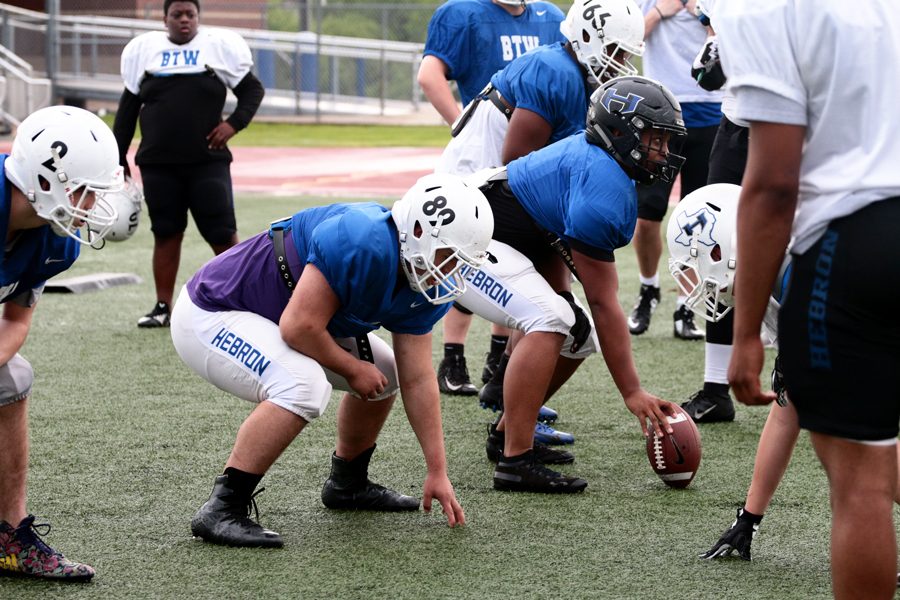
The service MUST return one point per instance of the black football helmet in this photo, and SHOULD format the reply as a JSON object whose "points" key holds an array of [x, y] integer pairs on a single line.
{"points": [[621, 110]]}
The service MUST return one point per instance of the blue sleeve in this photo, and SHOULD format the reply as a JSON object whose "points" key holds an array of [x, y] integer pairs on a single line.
{"points": [[419, 324], [449, 40], [540, 86]]}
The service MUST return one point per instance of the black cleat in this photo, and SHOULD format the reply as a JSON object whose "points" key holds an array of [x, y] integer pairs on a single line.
{"points": [[542, 453], [704, 407], [349, 488], [524, 474], [453, 377], [648, 300], [225, 519], [491, 396], [491, 362], [158, 317], [683, 325]]}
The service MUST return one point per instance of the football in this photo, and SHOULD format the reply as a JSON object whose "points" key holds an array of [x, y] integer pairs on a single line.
{"points": [[675, 457]]}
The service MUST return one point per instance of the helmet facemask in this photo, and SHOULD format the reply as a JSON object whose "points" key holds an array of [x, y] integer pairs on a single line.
{"points": [[604, 36]]}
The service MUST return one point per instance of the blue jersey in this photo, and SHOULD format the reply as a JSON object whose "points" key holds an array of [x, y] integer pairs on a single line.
{"points": [[33, 257], [549, 82], [579, 192], [477, 38], [356, 248]]}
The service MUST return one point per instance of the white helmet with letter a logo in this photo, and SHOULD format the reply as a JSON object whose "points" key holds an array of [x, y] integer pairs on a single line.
{"points": [[64, 159], [445, 227], [702, 237]]}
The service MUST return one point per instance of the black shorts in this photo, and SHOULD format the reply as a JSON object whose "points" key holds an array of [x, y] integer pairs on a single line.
{"points": [[204, 189], [514, 226], [839, 327], [653, 200], [728, 157]]}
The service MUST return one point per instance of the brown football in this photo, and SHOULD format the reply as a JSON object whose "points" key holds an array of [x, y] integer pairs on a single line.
{"points": [[675, 457]]}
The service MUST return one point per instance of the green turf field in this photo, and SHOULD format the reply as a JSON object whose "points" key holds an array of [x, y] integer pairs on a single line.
{"points": [[126, 442]]}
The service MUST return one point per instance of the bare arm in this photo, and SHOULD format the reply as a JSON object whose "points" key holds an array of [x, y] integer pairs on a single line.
{"points": [[421, 399], [601, 285], [765, 216], [528, 131], [432, 79], [664, 8], [14, 326], [303, 326]]}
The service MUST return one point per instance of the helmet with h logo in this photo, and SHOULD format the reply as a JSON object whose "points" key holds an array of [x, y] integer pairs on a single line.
{"points": [[621, 111]]}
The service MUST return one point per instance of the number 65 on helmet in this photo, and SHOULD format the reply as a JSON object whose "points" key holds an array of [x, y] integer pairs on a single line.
{"points": [[64, 159]]}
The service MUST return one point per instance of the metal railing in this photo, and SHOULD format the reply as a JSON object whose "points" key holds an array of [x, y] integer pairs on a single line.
{"points": [[303, 72]]}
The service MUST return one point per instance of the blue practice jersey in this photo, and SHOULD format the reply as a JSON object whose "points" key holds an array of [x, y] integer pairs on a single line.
{"points": [[477, 38], [356, 248], [579, 192], [549, 82], [33, 257]]}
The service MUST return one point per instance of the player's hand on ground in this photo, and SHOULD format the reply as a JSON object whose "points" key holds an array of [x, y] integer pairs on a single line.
{"points": [[737, 538], [219, 136], [650, 409], [438, 487], [743, 372], [367, 381]]}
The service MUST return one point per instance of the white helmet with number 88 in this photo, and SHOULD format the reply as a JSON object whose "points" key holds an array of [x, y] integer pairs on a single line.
{"points": [[64, 159], [445, 227]]}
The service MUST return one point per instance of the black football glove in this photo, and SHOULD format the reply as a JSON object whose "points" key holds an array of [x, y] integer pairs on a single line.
{"points": [[738, 537], [707, 68], [581, 330]]}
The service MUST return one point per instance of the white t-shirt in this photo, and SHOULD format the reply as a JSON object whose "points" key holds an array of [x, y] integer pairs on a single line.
{"points": [[222, 50], [670, 51], [831, 66]]}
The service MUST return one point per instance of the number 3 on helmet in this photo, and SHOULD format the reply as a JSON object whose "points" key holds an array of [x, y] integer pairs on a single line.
{"points": [[62, 159], [441, 212]]}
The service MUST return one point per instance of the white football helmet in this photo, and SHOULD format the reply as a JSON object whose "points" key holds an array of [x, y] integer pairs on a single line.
{"points": [[62, 158], [702, 236], [600, 31], [441, 212], [127, 203]]}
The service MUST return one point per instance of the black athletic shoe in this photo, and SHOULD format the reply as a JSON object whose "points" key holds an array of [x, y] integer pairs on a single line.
{"points": [[349, 488], [684, 326], [709, 408], [225, 519], [491, 396], [453, 377], [525, 474], [542, 453], [491, 362], [158, 317], [647, 301]]}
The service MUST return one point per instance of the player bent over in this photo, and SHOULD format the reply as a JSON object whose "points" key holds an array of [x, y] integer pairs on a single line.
{"points": [[51, 190], [571, 204], [284, 316]]}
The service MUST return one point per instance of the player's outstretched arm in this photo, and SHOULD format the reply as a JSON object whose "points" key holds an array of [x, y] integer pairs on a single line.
{"points": [[421, 399], [601, 282]]}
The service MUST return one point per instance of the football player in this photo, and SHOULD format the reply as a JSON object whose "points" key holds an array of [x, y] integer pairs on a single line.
{"points": [[63, 161], [175, 83], [824, 178], [559, 211], [468, 41], [289, 314]]}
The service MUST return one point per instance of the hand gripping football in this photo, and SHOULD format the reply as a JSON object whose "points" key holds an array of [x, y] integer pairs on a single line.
{"points": [[676, 456]]}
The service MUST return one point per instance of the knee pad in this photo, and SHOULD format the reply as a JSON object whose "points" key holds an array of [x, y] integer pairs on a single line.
{"points": [[582, 340], [16, 379]]}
